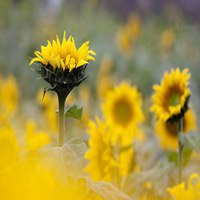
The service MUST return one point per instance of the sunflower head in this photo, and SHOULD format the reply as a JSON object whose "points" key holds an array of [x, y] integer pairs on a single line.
{"points": [[102, 163], [171, 97], [167, 131], [61, 64], [123, 107], [105, 159]]}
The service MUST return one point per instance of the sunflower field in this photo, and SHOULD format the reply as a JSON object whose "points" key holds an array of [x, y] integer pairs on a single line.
{"points": [[99, 100]]}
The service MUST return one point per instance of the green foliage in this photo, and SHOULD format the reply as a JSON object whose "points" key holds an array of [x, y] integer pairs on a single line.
{"points": [[192, 140], [30, 25], [172, 156], [158, 176], [69, 160], [74, 112]]}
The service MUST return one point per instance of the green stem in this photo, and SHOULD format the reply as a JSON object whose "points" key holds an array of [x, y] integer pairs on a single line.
{"points": [[180, 150], [61, 120], [118, 176]]}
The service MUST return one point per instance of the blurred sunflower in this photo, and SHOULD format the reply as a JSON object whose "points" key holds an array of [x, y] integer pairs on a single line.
{"points": [[123, 108], [102, 163], [29, 179], [35, 139], [128, 33], [127, 163], [108, 162], [167, 40], [171, 97], [167, 132], [192, 192], [9, 148], [9, 97]]}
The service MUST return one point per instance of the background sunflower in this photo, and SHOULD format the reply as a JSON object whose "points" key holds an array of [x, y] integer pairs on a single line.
{"points": [[171, 97], [167, 132], [122, 110]]}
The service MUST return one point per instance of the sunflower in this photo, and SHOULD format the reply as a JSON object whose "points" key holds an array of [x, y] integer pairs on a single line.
{"points": [[102, 166], [9, 96], [167, 40], [171, 97], [64, 55], [167, 131], [123, 108], [34, 138], [62, 64], [9, 148], [183, 192], [127, 162], [128, 34], [107, 162]]}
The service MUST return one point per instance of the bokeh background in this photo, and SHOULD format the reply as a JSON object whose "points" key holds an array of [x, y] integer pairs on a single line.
{"points": [[134, 41], [166, 35]]}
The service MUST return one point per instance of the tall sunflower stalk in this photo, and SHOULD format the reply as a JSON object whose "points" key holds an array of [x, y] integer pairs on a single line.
{"points": [[63, 66], [61, 118], [171, 99], [180, 149]]}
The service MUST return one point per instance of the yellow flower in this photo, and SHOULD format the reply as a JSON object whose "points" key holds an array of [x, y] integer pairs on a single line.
{"points": [[9, 147], [108, 162], [124, 41], [192, 192], [172, 95], [128, 33], [102, 166], [126, 160], [30, 179], [9, 96], [134, 25], [167, 132], [62, 65], [167, 39], [35, 139], [123, 108], [64, 54]]}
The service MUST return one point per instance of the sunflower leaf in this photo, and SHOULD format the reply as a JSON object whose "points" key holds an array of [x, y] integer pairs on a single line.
{"points": [[192, 140], [74, 112], [158, 175], [172, 156]]}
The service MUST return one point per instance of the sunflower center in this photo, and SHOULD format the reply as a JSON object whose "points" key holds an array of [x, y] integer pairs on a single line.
{"points": [[172, 128], [174, 99], [122, 112]]}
